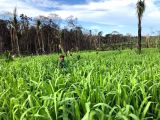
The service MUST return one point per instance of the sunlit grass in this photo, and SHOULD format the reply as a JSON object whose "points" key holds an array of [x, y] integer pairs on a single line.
{"points": [[99, 86]]}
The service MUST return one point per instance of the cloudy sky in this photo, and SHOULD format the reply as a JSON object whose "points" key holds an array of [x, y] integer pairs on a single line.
{"points": [[103, 15]]}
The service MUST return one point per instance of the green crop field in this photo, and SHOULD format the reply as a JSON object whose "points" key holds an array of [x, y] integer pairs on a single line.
{"points": [[114, 85]]}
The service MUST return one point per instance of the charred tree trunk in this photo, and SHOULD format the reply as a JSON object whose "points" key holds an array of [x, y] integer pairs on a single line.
{"points": [[139, 35]]}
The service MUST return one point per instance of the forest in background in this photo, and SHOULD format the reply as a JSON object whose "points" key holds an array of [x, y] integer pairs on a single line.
{"points": [[44, 35]]}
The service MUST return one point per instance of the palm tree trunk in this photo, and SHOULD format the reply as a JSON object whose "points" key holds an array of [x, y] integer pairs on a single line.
{"points": [[35, 43], [17, 44], [42, 41], [12, 43], [139, 34], [39, 45]]}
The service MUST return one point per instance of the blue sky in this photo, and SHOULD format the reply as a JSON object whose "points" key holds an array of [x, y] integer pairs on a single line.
{"points": [[99, 15]]}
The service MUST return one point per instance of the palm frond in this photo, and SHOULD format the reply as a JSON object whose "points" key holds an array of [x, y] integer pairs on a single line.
{"points": [[140, 8]]}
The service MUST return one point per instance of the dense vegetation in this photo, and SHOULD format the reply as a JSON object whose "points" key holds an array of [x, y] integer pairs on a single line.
{"points": [[43, 35], [94, 85], [21, 34]]}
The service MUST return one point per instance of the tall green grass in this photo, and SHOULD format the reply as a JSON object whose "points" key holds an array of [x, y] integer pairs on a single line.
{"points": [[119, 85]]}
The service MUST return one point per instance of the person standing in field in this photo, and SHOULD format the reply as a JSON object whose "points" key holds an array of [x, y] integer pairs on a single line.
{"points": [[62, 63]]}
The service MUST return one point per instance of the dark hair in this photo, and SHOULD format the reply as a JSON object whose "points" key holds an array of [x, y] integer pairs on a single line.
{"points": [[61, 56]]}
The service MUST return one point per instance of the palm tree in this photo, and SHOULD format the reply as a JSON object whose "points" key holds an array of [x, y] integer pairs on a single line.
{"points": [[14, 26], [99, 39], [140, 10], [38, 23]]}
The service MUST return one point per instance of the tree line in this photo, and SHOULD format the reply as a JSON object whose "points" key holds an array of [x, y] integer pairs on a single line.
{"points": [[44, 35]]}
